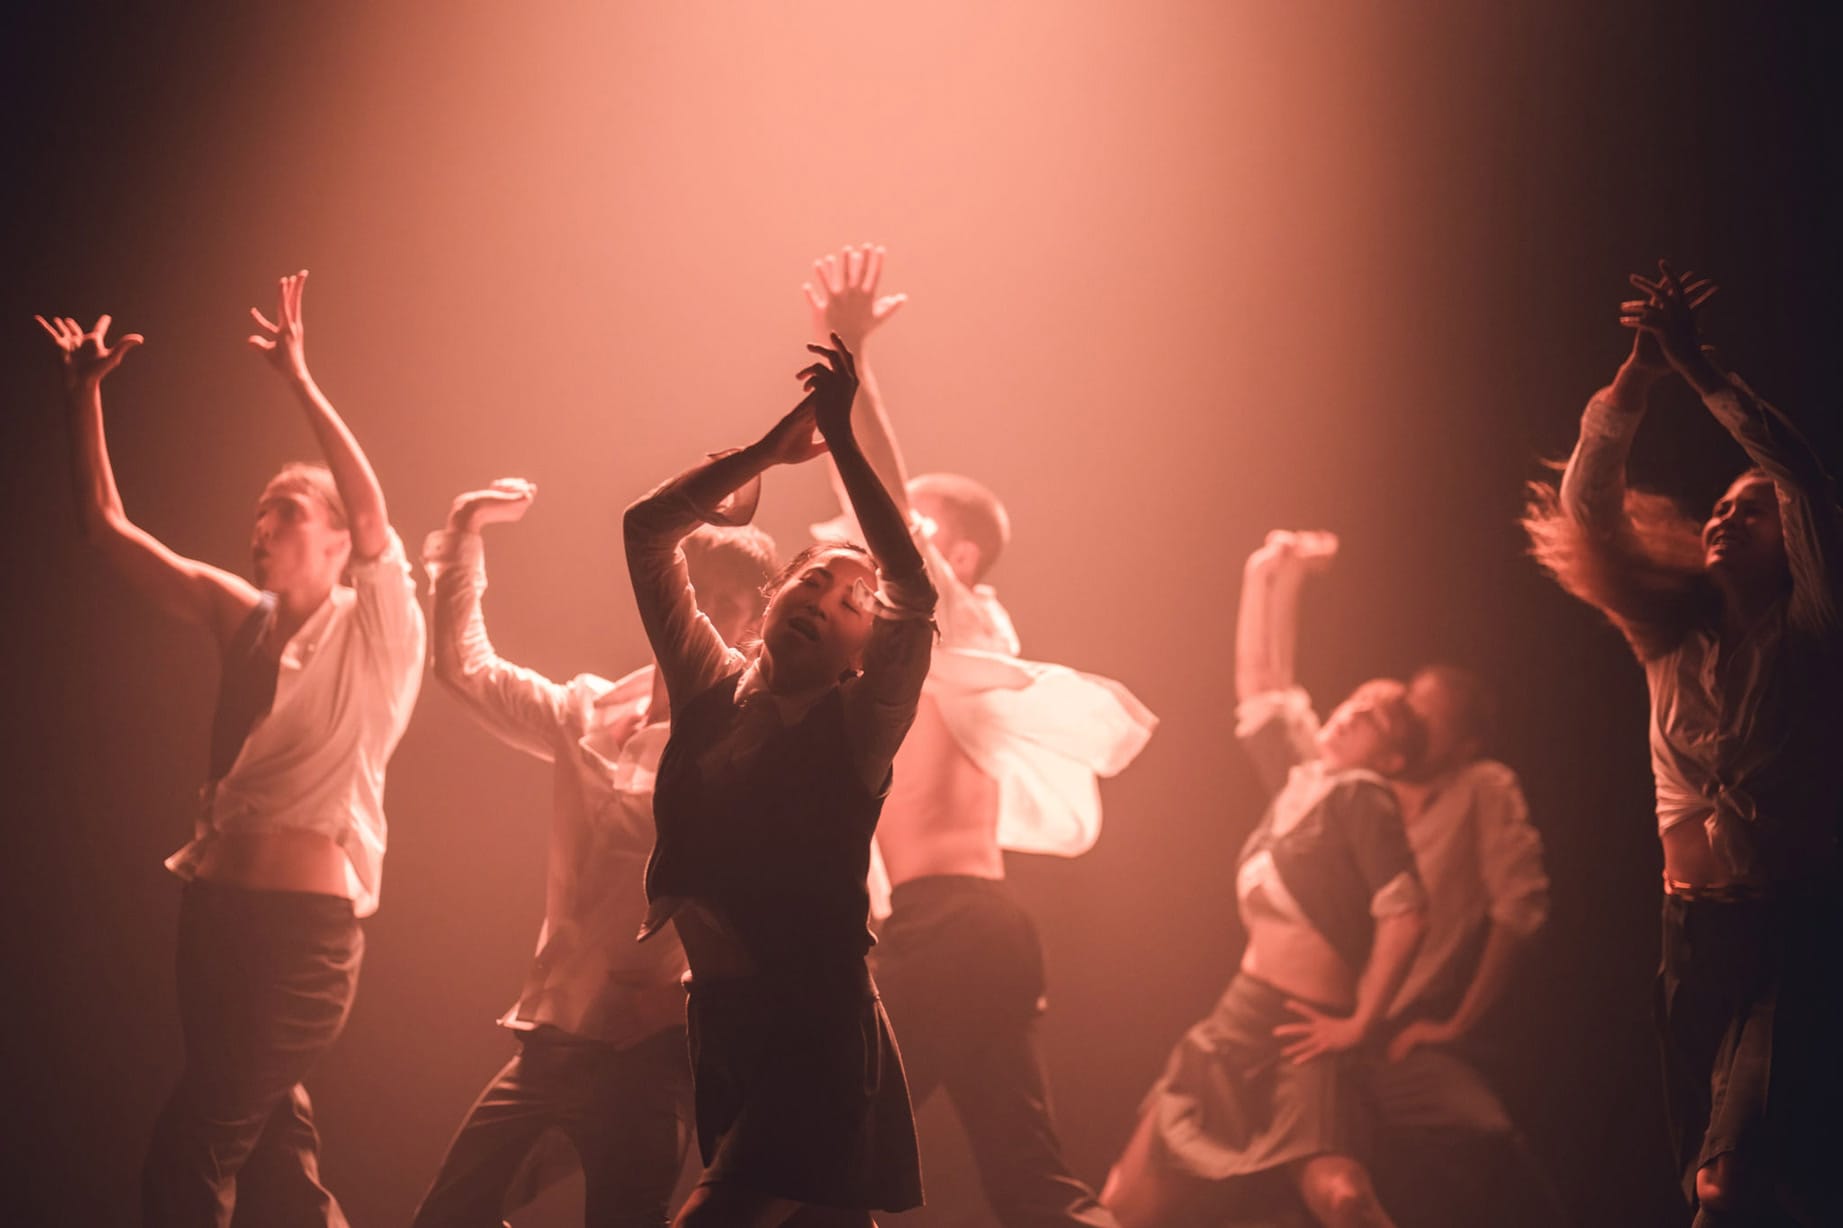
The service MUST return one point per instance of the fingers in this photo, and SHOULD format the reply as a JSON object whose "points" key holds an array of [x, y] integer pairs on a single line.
{"points": [[57, 331], [297, 287], [814, 299], [264, 321], [1701, 293], [128, 342], [102, 327], [1303, 1051], [854, 267], [873, 268], [831, 275], [262, 343], [886, 306], [516, 486], [1304, 1011]]}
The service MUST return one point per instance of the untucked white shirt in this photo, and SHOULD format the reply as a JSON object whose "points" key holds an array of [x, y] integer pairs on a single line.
{"points": [[588, 976], [344, 690], [1043, 733]]}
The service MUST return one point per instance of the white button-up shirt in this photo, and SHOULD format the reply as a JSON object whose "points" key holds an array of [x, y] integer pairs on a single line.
{"points": [[588, 976], [344, 690]]}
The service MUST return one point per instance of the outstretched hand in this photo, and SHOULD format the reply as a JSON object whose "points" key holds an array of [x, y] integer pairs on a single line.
{"points": [[831, 386], [284, 340], [843, 295], [1665, 320], [505, 501], [87, 355], [1317, 1033]]}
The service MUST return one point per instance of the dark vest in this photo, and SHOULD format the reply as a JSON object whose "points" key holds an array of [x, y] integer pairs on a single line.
{"points": [[246, 686], [1340, 853], [780, 848]]}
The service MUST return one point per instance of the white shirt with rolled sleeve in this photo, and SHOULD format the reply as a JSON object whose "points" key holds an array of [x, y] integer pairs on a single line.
{"points": [[344, 691], [588, 977]]}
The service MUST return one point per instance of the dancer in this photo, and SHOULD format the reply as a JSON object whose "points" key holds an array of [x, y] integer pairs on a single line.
{"points": [[1003, 755], [601, 1019], [1257, 1096], [1480, 862], [1736, 626], [322, 657], [767, 797]]}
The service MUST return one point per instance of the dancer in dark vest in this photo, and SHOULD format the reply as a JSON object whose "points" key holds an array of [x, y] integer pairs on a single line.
{"points": [[322, 658], [767, 797]]}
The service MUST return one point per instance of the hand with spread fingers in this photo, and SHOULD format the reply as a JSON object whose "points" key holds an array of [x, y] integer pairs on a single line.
{"points": [[843, 295], [1665, 323], [1317, 1033], [831, 386], [284, 340], [88, 356], [506, 500]]}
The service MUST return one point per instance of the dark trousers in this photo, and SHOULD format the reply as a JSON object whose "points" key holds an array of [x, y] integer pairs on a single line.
{"points": [[1447, 1152], [1749, 1013], [625, 1112], [961, 973], [266, 979]]}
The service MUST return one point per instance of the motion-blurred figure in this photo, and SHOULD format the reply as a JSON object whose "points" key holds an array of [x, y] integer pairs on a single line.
{"points": [[766, 801], [1736, 626], [1003, 755], [601, 1019], [322, 658], [1258, 1101]]}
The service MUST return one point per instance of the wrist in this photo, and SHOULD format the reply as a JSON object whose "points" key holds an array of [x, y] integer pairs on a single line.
{"points": [[1632, 384]]}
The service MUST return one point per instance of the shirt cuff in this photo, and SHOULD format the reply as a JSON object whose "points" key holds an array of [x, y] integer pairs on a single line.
{"points": [[1292, 705], [1400, 894], [445, 548]]}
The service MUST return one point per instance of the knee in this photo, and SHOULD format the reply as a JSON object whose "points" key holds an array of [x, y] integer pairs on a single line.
{"points": [[1338, 1193]]}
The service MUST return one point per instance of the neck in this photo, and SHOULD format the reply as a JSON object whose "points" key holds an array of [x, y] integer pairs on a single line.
{"points": [[294, 606], [1742, 605]]}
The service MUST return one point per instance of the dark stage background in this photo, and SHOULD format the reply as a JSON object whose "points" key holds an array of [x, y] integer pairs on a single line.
{"points": [[1179, 272]]}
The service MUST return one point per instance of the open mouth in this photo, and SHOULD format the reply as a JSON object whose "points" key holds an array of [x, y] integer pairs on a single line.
{"points": [[801, 625]]}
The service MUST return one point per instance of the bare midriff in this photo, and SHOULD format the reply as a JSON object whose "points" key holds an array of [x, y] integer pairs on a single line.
{"points": [[1688, 858], [941, 816], [1297, 960], [283, 859]]}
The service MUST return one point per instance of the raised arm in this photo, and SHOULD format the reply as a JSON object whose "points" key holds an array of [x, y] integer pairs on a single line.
{"points": [[1267, 626], [284, 342], [1807, 497], [1628, 555], [723, 490], [884, 698], [195, 591], [520, 706], [845, 304]]}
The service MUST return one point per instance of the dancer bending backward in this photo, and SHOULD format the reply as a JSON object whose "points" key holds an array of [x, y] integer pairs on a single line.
{"points": [[767, 797], [1736, 626], [1258, 1095], [1004, 755], [601, 1019], [1480, 863], [321, 659]]}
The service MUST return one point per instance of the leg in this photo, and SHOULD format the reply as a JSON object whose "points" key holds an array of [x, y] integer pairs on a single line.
{"points": [[1338, 1193], [1000, 1093], [473, 1186], [265, 983], [1449, 1151], [280, 1182], [629, 1116], [1142, 1191], [963, 982]]}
